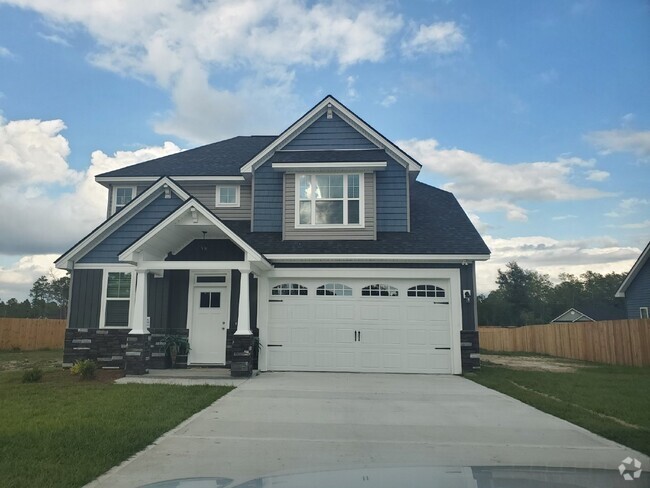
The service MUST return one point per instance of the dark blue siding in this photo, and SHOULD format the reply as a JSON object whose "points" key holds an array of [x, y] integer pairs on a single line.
{"points": [[637, 294], [86, 299], [332, 133], [392, 212], [121, 238], [267, 212]]}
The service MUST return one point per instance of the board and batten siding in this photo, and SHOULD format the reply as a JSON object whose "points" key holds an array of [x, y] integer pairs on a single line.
{"points": [[307, 234], [108, 250], [637, 294], [138, 189], [206, 193], [392, 198], [267, 199], [334, 133], [86, 299]]}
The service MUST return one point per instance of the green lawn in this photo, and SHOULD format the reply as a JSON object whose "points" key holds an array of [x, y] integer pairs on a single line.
{"points": [[63, 432], [28, 359], [612, 401]]}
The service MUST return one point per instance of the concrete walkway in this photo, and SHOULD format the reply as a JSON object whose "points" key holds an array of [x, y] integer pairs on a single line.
{"points": [[185, 377], [298, 422]]}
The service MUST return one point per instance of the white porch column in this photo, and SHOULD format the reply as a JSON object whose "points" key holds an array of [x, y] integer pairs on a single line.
{"points": [[244, 320], [139, 315]]}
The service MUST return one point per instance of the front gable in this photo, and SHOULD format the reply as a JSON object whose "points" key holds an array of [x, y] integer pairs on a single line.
{"points": [[329, 132]]}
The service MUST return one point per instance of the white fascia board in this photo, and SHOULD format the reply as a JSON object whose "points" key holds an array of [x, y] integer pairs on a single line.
{"points": [[64, 262], [374, 165], [394, 258], [636, 267], [149, 179], [193, 265], [346, 115], [363, 273], [251, 254]]}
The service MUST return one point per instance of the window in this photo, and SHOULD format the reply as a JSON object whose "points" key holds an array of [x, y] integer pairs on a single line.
{"points": [[331, 289], [227, 196], [121, 196], [285, 289], [428, 291], [328, 200], [210, 299], [379, 290], [643, 312], [211, 279], [118, 299]]}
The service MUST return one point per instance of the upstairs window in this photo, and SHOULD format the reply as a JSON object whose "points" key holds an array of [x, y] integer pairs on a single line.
{"points": [[379, 290], [227, 196], [329, 200], [121, 196]]}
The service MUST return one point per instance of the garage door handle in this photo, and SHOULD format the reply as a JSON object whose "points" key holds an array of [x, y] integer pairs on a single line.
{"points": [[275, 300], [274, 345], [444, 348], [359, 336]]}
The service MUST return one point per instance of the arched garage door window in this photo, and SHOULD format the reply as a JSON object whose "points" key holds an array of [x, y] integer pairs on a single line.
{"points": [[289, 289], [334, 289], [379, 290], [427, 291]]}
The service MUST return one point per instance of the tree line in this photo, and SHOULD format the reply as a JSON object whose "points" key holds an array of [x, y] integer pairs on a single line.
{"points": [[526, 297], [48, 298]]}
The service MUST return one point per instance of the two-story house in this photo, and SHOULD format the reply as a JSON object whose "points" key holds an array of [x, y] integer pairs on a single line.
{"points": [[320, 242]]}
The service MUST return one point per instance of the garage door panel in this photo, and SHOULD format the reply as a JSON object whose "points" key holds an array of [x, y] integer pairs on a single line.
{"points": [[398, 333]]}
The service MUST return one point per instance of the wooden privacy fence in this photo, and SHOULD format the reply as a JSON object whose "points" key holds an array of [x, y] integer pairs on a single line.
{"points": [[31, 334], [610, 341]]}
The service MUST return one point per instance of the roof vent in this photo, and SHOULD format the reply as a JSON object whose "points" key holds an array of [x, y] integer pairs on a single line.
{"points": [[329, 110]]}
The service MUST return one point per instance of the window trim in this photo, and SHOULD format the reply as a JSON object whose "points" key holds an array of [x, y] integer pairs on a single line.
{"points": [[279, 286], [412, 291], [314, 225], [217, 203], [647, 312], [104, 298], [134, 194], [392, 291], [324, 289]]}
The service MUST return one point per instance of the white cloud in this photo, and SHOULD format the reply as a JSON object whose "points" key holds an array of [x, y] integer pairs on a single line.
{"points": [[192, 50], [637, 225], [46, 206], [564, 217], [487, 186], [554, 257], [16, 280], [388, 101], [622, 141], [5, 52], [439, 38], [54, 38], [351, 90], [597, 175], [628, 206]]}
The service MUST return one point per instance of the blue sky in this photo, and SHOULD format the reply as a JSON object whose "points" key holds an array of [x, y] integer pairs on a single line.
{"points": [[535, 114]]}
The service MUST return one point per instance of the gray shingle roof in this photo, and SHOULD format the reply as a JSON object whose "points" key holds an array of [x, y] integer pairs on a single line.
{"points": [[223, 158], [438, 226]]}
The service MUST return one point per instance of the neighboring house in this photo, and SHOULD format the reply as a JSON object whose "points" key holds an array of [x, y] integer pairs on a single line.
{"points": [[573, 315], [636, 287], [319, 241]]}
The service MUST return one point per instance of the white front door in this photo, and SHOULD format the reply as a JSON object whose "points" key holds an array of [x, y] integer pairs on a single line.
{"points": [[209, 325]]}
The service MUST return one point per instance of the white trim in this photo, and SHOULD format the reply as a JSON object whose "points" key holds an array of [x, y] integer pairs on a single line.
{"points": [[426, 258], [190, 306], [345, 273], [308, 167], [145, 197], [251, 254], [145, 179], [134, 194], [122, 266], [647, 313], [218, 188], [579, 314], [345, 200], [330, 102], [192, 265], [102, 305], [636, 267]]}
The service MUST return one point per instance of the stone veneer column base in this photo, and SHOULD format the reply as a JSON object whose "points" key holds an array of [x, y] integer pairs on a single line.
{"points": [[242, 355], [136, 357], [104, 346], [469, 350]]}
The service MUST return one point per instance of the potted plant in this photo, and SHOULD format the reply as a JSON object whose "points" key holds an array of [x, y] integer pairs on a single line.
{"points": [[176, 347]]}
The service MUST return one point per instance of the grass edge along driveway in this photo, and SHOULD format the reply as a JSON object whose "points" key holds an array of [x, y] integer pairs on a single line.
{"points": [[611, 401], [63, 432]]}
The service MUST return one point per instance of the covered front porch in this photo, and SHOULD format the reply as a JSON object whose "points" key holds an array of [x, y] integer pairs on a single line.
{"points": [[194, 277]]}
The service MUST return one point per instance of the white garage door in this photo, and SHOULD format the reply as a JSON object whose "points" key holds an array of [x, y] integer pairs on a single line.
{"points": [[398, 326]]}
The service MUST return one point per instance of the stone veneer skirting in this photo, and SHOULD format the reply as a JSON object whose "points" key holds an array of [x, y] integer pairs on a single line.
{"points": [[469, 350]]}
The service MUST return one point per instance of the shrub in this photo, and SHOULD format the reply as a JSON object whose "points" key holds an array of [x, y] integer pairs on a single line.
{"points": [[33, 375], [85, 368]]}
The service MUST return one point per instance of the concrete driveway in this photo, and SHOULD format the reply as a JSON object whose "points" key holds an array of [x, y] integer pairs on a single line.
{"points": [[297, 422]]}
